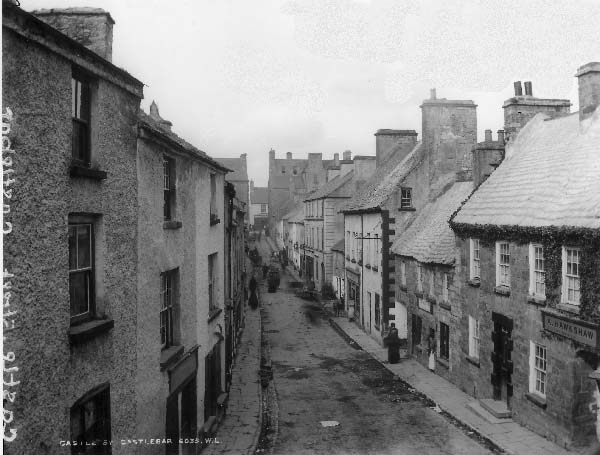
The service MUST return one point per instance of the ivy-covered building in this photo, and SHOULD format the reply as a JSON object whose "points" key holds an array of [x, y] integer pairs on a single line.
{"points": [[529, 275]]}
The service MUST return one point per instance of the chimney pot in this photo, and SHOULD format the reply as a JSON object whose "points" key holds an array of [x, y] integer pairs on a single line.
{"points": [[528, 88], [336, 159], [432, 91], [501, 136], [488, 135], [518, 88], [347, 155], [289, 155]]}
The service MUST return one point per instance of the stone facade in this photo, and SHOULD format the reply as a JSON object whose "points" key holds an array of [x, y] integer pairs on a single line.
{"points": [[97, 355], [564, 414]]}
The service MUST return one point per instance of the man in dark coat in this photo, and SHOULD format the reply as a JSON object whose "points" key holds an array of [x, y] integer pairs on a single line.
{"points": [[392, 341], [253, 284]]}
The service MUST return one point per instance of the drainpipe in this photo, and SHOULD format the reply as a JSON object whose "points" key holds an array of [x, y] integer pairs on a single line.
{"points": [[362, 267]]}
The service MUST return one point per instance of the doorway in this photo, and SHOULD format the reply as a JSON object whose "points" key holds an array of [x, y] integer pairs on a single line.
{"points": [[401, 320], [502, 358], [416, 328]]}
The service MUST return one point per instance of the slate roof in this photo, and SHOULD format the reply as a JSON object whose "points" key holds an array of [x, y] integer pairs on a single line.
{"points": [[298, 216], [384, 181], [550, 177], [332, 188], [429, 238], [238, 165], [260, 195], [151, 124], [295, 216], [339, 246]]}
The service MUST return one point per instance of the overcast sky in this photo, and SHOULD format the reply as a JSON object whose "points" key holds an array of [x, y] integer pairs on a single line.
{"points": [[323, 76]]}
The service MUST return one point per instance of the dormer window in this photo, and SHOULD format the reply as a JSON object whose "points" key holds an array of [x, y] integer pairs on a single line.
{"points": [[406, 198]]}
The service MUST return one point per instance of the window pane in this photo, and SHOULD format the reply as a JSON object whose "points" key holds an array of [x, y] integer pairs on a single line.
{"points": [[72, 248], [84, 246], [79, 292], [79, 140]]}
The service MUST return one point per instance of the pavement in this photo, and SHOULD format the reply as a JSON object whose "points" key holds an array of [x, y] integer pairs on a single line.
{"points": [[508, 436], [240, 430]]}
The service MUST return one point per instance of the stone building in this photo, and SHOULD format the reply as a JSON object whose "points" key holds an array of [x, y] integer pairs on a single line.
{"points": [[73, 250], [528, 274], [181, 231], [239, 178], [339, 275], [292, 179], [424, 275], [409, 175], [259, 207], [324, 224], [296, 239]]}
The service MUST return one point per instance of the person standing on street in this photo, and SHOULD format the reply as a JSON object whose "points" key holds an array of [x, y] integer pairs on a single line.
{"points": [[431, 349], [392, 341]]}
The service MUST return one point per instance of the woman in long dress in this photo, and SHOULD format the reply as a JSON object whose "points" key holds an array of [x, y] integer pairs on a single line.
{"points": [[431, 349]]}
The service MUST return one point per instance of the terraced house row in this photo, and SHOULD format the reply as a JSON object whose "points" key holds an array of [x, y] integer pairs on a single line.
{"points": [[127, 251], [485, 256]]}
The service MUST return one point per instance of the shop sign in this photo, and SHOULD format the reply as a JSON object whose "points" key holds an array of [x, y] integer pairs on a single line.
{"points": [[574, 329]]}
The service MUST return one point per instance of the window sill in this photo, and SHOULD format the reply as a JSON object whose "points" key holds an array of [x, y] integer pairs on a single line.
{"points": [[568, 307], [214, 219], [172, 225], [445, 306], [407, 209], [474, 283], [86, 331], [535, 300], [403, 287], [170, 355], [443, 362], [214, 313], [502, 290], [473, 361], [80, 170], [537, 400]]}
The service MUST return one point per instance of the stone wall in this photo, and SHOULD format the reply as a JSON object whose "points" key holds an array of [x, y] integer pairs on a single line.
{"points": [[566, 417]]}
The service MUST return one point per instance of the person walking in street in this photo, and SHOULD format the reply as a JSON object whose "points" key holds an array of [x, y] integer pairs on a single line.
{"points": [[392, 341], [265, 269], [431, 348], [253, 285]]}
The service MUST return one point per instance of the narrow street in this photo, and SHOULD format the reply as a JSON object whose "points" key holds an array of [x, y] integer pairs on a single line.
{"points": [[320, 378]]}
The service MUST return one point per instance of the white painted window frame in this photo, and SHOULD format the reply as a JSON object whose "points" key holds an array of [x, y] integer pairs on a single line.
{"points": [[502, 280], [534, 271], [538, 371], [474, 262], [567, 276]]}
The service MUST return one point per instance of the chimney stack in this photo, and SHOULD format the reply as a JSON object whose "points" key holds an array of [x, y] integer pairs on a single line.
{"points": [[432, 92], [91, 27], [528, 88], [518, 88], [336, 159], [393, 142], [288, 155], [156, 116], [347, 155], [501, 136], [488, 135], [589, 89], [243, 156]]}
